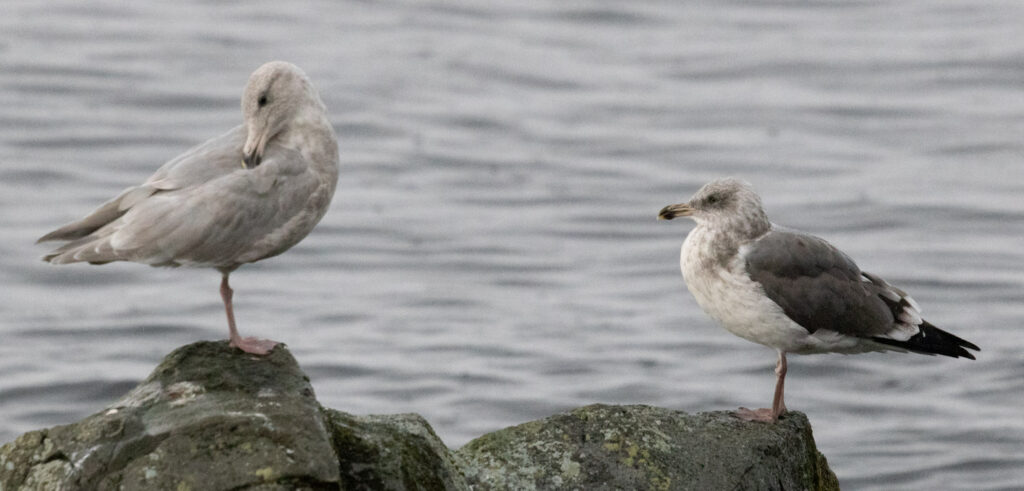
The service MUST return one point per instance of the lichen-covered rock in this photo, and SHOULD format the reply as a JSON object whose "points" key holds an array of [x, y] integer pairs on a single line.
{"points": [[210, 417], [603, 447], [399, 451]]}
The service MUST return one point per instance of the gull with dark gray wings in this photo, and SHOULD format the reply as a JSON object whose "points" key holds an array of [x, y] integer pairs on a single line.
{"points": [[249, 194], [792, 291]]}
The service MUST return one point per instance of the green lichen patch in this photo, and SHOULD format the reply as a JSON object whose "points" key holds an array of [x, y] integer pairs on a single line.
{"points": [[648, 448]]}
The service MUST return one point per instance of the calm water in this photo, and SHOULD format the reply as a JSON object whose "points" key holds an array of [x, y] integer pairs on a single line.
{"points": [[492, 254]]}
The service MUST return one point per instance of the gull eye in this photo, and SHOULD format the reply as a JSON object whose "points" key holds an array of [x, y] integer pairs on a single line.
{"points": [[713, 199], [262, 101]]}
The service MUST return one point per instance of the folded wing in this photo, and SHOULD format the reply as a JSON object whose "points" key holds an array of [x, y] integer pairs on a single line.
{"points": [[820, 287]]}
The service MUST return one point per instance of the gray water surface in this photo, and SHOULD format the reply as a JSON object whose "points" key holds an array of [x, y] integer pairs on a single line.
{"points": [[492, 254]]}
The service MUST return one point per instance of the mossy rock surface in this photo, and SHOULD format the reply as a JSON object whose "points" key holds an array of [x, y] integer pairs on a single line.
{"points": [[602, 447]]}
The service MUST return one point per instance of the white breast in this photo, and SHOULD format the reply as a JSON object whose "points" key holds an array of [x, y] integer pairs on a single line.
{"points": [[736, 302]]}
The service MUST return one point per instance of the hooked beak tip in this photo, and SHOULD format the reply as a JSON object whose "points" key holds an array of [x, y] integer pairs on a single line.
{"points": [[251, 160], [672, 211]]}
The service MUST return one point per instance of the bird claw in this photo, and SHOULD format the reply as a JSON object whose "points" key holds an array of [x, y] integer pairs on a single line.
{"points": [[763, 415], [255, 346]]}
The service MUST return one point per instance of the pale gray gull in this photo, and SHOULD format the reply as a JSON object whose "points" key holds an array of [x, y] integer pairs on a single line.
{"points": [[249, 194], [792, 291]]}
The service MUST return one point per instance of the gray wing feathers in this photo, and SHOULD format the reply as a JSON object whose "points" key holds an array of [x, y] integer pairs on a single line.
{"points": [[818, 286], [201, 208]]}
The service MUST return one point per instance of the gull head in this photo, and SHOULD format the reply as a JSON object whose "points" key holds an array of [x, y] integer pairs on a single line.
{"points": [[722, 201], [276, 94]]}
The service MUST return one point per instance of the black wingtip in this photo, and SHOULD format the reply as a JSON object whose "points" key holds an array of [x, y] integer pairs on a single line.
{"points": [[934, 341]]}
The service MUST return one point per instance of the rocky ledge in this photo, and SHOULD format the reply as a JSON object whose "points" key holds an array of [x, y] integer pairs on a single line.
{"points": [[213, 418]]}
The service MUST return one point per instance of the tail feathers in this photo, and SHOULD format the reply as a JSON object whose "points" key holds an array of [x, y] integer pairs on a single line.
{"points": [[933, 341], [91, 249]]}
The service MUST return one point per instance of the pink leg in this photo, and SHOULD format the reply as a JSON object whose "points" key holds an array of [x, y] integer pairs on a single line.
{"points": [[778, 402], [255, 346]]}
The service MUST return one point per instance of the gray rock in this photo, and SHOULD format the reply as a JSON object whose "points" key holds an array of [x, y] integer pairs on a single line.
{"points": [[603, 447], [211, 417]]}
